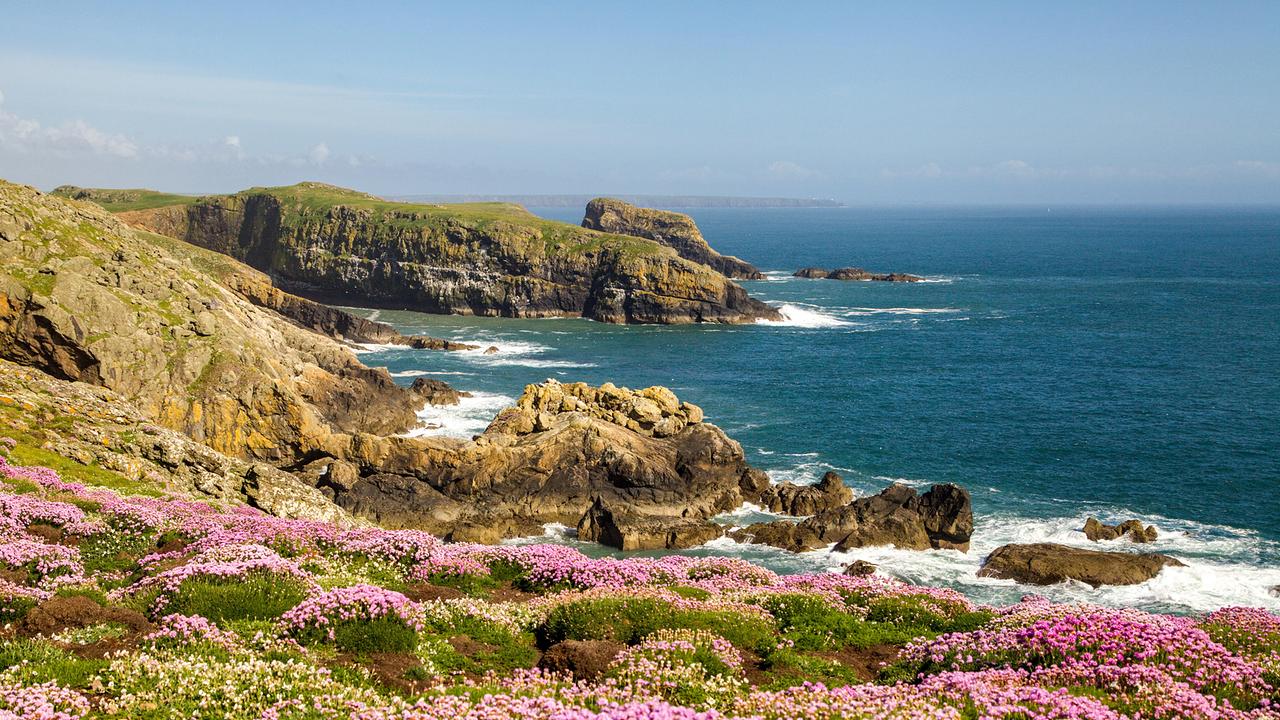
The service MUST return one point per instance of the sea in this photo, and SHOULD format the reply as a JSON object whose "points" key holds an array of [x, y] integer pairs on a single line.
{"points": [[1057, 362]]}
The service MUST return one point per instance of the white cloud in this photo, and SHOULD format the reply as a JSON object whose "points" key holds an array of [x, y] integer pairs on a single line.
{"points": [[319, 154], [1260, 167], [77, 136], [790, 170]]}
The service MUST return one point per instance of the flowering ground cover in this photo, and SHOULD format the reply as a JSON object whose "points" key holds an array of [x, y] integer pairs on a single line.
{"points": [[160, 607]]}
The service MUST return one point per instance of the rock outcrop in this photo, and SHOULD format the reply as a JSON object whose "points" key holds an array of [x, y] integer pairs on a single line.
{"points": [[852, 273], [675, 230], [941, 518], [335, 245], [1051, 563], [1134, 530], [83, 297], [96, 427], [628, 468], [828, 493]]}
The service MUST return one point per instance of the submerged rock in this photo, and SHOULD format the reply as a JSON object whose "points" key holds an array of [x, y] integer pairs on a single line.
{"points": [[675, 230], [1050, 563], [1132, 529], [941, 518]]}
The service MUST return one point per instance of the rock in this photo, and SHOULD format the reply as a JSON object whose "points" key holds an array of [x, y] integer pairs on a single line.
{"points": [[566, 453], [1275, 591], [942, 518], [436, 392], [583, 659], [1050, 563], [89, 299], [627, 530], [491, 350], [96, 426], [258, 289], [675, 230], [860, 568], [851, 273], [788, 498], [1132, 529], [338, 246]]}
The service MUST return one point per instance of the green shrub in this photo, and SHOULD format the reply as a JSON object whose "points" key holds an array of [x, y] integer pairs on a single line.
{"points": [[914, 613], [254, 598], [788, 668], [629, 620]]}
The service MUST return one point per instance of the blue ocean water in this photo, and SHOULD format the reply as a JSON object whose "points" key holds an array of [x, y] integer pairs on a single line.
{"points": [[1058, 363]]}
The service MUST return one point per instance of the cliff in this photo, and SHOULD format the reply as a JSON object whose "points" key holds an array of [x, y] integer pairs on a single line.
{"points": [[83, 297], [335, 245], [675, 230]]}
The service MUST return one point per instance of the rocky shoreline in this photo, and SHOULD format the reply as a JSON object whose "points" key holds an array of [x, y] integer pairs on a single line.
{"points": [[192, 371], [853, 273]]}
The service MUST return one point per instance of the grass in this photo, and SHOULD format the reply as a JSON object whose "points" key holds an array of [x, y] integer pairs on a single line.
{"points": [[256, 598], [629, 620], [27, 453], [121, 200], [34, 661], [380, 635]]}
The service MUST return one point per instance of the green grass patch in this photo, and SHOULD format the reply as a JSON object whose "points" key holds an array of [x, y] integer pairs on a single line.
{"points": [[71, 471], [258, 597], [629, 620], [35, 661]]}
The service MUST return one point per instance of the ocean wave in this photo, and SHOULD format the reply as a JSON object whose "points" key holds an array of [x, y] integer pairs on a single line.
{"points": [[469, 417], [420, 373], [810, 316], [362, 348]]}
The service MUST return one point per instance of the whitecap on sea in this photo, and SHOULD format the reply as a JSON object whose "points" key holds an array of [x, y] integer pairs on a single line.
{"points": [[804, 317], [469, 417]]}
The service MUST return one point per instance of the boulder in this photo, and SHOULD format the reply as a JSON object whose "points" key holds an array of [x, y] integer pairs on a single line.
{"points": [[828, 493], [1134, 530], [583, 659], [436, 392], [1050, 563], [627, 530], [632, 469], [860, 568], [941, 518], [853, 273]]}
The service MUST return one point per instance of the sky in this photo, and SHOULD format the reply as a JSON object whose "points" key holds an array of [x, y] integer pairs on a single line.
{"points": [[863, 102]]}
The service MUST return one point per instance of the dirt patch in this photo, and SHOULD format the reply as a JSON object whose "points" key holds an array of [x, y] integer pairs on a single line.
{"points": [[422, 592], [509, 593], [391, 669], [470, 647], [46, 532], [866, 662], [584, 659], [171, 544], [16, 576], [62, 613]]}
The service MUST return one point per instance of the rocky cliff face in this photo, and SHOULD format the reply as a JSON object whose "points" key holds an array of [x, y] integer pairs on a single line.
{"points": [[83, 297], [675, 230], [331, 244]]}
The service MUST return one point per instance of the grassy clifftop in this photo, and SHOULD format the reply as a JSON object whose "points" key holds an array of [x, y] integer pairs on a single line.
{"points": [[335, 244]]}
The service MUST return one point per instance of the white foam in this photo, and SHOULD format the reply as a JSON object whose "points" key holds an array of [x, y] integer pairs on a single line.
{"points": [[804, 317], [469, 417], [859, 311], [516, 353], [420, 373], [361, 348], [373, 316]]}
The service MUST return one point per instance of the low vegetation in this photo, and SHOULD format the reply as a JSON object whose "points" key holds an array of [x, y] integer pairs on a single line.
{"points": [[120, 605]]}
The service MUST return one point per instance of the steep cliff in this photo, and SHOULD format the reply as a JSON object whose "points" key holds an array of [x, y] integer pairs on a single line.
{"points": [[85, 297], [675, 230], [336, 245]]}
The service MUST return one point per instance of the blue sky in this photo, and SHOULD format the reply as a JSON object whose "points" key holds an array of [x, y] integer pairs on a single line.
{"points": [[894, 102]]}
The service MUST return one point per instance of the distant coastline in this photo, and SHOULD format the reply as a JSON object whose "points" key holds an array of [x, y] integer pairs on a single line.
{"points": [[656, 201]]}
